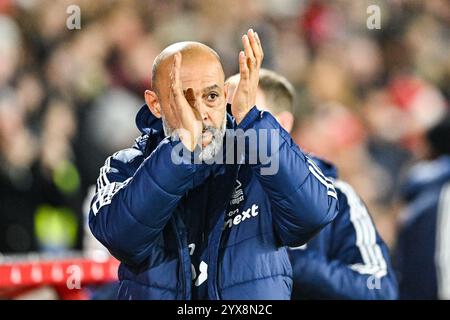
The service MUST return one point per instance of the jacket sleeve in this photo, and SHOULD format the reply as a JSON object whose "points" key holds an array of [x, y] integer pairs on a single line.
{"points": [[358, 265], [303, 200], [135, 198]]}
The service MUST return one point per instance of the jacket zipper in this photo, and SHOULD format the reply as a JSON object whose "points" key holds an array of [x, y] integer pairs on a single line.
{"points": [[217, 249]]}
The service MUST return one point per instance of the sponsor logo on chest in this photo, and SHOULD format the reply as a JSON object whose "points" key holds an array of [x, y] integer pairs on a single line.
{"points": [[236, 218]]}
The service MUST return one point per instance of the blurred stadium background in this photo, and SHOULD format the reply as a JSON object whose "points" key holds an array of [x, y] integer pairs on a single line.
{"points": [[68, 99]]}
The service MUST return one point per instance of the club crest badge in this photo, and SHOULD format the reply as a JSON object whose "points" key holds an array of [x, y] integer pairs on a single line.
{"points": [[238, 194]]}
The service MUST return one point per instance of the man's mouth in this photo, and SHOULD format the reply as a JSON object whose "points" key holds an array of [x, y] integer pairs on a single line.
{"points": [[207, 137]]}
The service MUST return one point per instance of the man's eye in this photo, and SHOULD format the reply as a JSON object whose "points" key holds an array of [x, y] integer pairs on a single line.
{"points": [[212, 97]]}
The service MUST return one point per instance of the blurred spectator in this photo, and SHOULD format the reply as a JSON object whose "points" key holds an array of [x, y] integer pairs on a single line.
{"points": [[424, 239]]}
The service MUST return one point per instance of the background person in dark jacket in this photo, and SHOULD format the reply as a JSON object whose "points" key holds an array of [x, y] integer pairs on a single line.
{"points": [[347, 259], [199, 231], [423, 244]]}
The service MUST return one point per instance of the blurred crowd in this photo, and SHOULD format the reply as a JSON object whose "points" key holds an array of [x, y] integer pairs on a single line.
{"points": [[68, 98]]}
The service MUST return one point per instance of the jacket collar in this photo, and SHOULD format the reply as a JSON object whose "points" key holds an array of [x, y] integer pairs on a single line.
{"points": [[146, 121]]}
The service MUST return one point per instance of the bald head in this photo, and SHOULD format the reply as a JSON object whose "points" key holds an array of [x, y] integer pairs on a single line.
{"points": [[190, 50]]}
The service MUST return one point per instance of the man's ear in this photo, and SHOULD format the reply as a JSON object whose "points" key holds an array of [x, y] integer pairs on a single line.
{"points": [[152, 101], [286, 120]]}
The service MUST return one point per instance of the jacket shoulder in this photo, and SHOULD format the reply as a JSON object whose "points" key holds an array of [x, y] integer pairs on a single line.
{"points": [[124, 162], [128, 156]]}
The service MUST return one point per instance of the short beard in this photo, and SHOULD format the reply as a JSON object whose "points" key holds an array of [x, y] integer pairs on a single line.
{"points": [[213, 148]]}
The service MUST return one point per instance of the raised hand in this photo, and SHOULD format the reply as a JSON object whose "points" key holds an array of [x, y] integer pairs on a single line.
{"points": [[189, 124], [249, 64]]}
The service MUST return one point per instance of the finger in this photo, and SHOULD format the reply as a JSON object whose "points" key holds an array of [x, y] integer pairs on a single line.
{"points": [[175, 92], [248, 49], [190, 98], [228, 91], [260, 49], [254, 45], [243, 68], [174, 110], [176, 82], [171, 97]]}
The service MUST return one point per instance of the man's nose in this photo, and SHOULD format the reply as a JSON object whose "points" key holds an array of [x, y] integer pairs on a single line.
{"points": [[204, 112], [201, 109]]}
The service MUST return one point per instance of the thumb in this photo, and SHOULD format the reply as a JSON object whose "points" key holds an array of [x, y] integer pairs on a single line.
{"points": [[229, 90]]}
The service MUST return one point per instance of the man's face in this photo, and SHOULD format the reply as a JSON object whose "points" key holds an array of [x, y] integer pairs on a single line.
{"points": [[202, 81]]}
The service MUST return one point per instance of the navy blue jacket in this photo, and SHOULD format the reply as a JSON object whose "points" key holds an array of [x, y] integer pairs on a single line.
{"points": [[142, 197], [347, 259], [423, 244]]}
